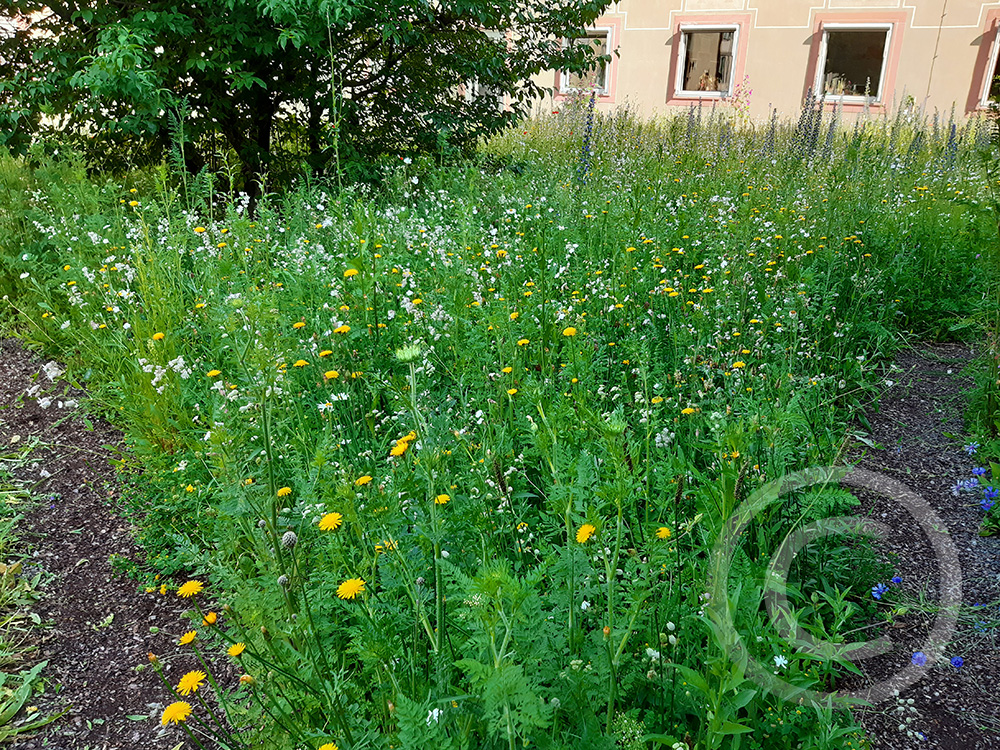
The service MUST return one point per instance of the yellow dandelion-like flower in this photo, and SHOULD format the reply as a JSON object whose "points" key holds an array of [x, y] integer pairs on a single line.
{"points": [[187, 638], [507, 370], [299, 324], [157, 336], [213, 373], [350, 588], [199, 230], [738, 365], [236, 649], [189, 589], [363, 480], [331, 522], [350, 272], [328, 746], [569, 331], [514, 315], [300, 363], [326, 353], [657, 399], [399, 448], [210, 618], [585, 532], [663, 532], [331, 374], [342, 329], [688, 410], [67, 267], [511, 391], [175, 713], [284, 492], [523, 342], [190, 682], [441, 499]]}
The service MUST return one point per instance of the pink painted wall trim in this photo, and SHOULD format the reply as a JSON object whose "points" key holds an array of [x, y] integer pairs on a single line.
{"points": [[983, 59], [604, 22], [898, 19], [708, 19]]}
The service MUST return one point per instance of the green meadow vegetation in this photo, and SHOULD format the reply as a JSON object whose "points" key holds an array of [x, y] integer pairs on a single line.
{"points": [[449, 450]]}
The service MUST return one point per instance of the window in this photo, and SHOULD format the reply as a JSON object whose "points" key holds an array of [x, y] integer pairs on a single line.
{"points": [[991, 87], [852, 62], [597, 78], [705, 61]]}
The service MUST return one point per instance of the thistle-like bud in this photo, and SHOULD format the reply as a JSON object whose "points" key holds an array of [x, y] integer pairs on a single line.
{"points": [[282, 581], [289, 540]]}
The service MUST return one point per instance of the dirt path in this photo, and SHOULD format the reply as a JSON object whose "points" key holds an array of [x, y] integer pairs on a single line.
{"points": [[917, 438], [99, 626]]}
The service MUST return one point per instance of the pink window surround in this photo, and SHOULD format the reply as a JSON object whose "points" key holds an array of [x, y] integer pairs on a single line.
{"points": [[608, 97], [897, 19], [985, 62], [675, 95]]}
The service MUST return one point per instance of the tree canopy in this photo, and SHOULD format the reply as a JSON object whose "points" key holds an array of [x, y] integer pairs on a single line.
{"points": [[378, 77]]}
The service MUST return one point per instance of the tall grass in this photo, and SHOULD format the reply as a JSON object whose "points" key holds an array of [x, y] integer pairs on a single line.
{"points": [[453, 453]]}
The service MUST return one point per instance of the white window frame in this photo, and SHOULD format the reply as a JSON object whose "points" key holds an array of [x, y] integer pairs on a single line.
{"points": [[991, 67], [821, 62], [688, 28], [564, 77]]}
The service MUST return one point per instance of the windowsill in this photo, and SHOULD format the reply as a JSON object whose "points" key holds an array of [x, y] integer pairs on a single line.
{"points": [[566, 93], [700, 94], [852, 103]]}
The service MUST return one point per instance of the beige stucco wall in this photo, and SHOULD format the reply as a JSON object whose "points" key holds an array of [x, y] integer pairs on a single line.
{"points": [[940, 51]]}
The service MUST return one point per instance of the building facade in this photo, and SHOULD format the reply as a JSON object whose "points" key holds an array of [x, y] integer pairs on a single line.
{"points": [[857, 55]]}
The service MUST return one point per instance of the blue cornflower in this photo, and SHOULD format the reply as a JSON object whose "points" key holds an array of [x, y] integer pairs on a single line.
{"points": [[957, 662], [989, 497], [956, 489], [878, 590], [970, 485], [897, 580], [971, 448], [919, 658], [979, 471]]}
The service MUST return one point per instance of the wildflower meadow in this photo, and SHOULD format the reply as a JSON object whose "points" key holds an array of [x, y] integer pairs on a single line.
{"points": [[439, 460]]}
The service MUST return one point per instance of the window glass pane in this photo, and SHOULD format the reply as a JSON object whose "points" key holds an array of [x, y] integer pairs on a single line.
{"points": [[708, 60], [854, 62], [595, 78]]}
